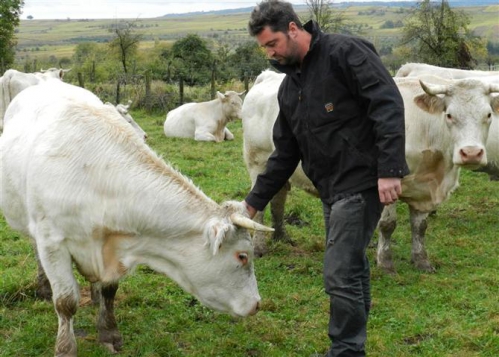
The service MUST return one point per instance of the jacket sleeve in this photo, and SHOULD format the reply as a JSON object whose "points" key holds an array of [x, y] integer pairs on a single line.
{"points": [[384, 103], [280, 166]]}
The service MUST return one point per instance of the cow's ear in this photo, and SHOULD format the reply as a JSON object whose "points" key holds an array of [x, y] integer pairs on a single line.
{"points": [[215, 234], [495, 103], [220, 96], [430, 103]]}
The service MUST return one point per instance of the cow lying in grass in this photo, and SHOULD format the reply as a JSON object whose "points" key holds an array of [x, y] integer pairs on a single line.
{"points": [[205, 121]]}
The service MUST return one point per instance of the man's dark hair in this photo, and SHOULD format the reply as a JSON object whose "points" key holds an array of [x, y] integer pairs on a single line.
{"points": [[273, 13]]}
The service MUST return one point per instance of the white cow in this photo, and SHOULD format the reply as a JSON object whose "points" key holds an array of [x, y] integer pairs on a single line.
{"points": [[13, 82], [259, 112], [447, 126], [205, 121], [88, 190], [417, 69], [422, 69]]}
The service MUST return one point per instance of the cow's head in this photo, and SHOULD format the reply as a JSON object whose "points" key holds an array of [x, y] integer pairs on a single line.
{"points": [[231, 104], [467, 106], [220, 272]]}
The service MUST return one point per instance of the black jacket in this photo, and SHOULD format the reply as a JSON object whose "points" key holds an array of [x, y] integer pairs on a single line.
{"points": [[341, 114]]}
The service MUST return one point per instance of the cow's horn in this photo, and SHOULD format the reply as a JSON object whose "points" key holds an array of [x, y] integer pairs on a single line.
{"points": [[434, 89], [245, 222]]}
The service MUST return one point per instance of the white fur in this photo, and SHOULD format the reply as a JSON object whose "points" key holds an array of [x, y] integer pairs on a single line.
{"points": [[13, 82]]}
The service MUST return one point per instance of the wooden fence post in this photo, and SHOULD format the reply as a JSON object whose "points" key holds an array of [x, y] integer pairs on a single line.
{"points": [[213, 76], [148, 91], [181, 91], [80, 80], [246, 81], [118, 92], [92, 74]]}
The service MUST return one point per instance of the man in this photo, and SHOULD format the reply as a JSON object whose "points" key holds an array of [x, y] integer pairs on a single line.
{"points": [[342, 115]]}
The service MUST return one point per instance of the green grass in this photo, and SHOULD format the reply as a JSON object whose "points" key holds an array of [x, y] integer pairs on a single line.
{"points": [[452, 313]]}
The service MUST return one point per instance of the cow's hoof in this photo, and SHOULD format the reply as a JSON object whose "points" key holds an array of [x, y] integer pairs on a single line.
{"points": [[425, 266]]}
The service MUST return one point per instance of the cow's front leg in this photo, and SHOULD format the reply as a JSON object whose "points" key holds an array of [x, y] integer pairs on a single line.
{"points": [[203, 135], [57, 264], [109, 335], [43, 289], [259, 238], [386, 227], [228, 135], [419, 257], [277, 205]]}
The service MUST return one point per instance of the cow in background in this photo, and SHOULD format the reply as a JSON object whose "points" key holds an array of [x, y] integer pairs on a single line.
{"points": [[205, 121], [259, 112], [420, 70], [447, 126], [116, 205], [13, 82]]}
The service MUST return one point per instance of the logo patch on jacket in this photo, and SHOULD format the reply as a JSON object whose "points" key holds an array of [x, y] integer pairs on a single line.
{"points": [[329, 107]]}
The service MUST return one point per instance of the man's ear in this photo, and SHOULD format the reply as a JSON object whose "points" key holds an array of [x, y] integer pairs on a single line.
{"points": [[292, 29]]}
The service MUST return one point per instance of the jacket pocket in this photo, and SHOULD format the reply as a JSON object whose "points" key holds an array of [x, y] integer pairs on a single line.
{"points": [[364, 72]]}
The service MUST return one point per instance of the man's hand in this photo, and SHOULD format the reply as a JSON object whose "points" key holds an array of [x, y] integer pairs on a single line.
{"points": [[251, 210], [389, 188]]}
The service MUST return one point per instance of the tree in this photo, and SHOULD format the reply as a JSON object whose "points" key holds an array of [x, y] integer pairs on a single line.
{"points": [[440, 35], [192, 59], [10, 11], [86, 56], [125, 42], [248, 60], [328, 20]]}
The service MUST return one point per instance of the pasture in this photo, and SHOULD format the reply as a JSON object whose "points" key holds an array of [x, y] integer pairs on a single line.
{"points": [[452, 313]]}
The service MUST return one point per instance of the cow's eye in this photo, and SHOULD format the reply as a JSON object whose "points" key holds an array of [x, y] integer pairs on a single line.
{"points": [[242, 257], [449, 116]]}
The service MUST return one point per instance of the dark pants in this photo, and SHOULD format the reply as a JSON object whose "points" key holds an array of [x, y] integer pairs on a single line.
{"points": [[350, 224]]}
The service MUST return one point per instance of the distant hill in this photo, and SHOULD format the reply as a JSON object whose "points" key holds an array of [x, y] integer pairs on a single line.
{"points": [[342, 4]]}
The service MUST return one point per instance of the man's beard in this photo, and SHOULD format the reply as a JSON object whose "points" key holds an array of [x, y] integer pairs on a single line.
{"points": [[291, 58]]}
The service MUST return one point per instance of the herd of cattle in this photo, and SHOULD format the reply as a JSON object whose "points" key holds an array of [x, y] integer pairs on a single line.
{"points": [[78, 177]]}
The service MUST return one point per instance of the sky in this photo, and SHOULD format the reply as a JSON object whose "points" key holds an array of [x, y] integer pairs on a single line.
{"points": [[122, 9]]}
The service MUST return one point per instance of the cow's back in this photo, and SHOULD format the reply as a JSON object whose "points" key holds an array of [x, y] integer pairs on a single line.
{"points": [[418, 69], [63, 136]]}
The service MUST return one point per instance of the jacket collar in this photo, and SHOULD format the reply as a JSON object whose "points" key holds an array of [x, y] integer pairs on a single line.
{"points": [[311, 27]]}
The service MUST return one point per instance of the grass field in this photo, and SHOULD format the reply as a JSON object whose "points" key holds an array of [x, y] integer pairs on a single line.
{"points": [[451, 313]]}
